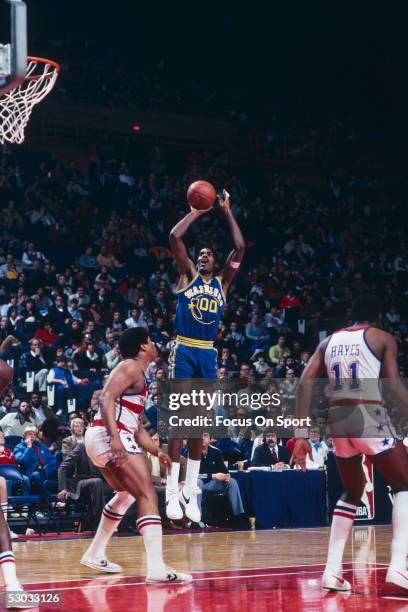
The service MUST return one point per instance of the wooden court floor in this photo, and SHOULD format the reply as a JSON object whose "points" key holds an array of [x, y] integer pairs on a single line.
{"points": [[248, 570]]}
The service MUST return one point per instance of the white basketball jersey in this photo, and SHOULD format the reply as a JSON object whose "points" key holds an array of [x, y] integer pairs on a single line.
{"points": [[352, 366]]}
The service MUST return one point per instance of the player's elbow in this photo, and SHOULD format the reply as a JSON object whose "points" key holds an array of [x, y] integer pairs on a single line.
{"points": [[174, 236]]}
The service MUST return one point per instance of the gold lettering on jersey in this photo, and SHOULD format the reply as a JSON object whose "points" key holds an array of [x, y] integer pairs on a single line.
{"points": [[205, 290]]}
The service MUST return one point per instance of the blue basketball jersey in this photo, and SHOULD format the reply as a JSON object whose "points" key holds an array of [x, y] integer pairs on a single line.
{"points": [[199, 309]]}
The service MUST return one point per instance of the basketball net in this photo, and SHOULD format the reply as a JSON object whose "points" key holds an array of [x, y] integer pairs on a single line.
{"points": [[17, 104]]}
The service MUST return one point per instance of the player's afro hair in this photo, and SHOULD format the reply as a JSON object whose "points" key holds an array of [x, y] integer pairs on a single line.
{"points": [[366, 307], [131, 341]]}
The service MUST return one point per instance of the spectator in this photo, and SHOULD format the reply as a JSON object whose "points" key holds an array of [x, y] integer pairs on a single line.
{"points": [[15, 423], [319, 449], [6, 456], [46, 334], [66, 384], [279, 351], [271, 453], [33, 259], [6, 405], [215, 478], [81, 297], [40, 409], [109, 342], [260, 363], [74, 311], [258, 334], [104, 258], [34, 361], [136, 319], [228, 361], [88, 358], [36, 460], [77, 437], [78, 478], [88, 261], [112, 358], [9, 271]]}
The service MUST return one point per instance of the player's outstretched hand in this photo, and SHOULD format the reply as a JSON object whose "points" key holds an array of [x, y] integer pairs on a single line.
{"points": [[301, 449], [224, 201], [120, 456], [165, 460]]}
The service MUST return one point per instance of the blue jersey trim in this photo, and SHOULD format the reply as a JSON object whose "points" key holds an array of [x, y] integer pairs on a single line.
{"points": [[369, 347]]}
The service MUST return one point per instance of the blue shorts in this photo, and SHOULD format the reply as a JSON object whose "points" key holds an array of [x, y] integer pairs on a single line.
{"points": [[192, 362]]}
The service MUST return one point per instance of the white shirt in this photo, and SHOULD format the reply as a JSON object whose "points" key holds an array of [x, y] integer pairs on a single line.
{"points": [[131, 323], [319, 456]]}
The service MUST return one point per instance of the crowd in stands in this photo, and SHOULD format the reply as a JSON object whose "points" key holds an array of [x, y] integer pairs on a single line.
{"points": [[83, 258]]}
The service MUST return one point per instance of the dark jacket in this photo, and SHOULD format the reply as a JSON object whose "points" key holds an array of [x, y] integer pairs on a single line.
{"points": [[212, 463], [263, 455], [68, 445], [32, 363], [76, 466]]}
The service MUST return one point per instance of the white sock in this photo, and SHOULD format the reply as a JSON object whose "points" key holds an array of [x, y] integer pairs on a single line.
{"points": [[399, 545], [151, 529], [8, 569], [173, 478], [193, 470], [343, 519], [112, 514]]}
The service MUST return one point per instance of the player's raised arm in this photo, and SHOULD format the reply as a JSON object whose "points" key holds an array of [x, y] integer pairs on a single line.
{"points": [[235, 257], [184, 264]]}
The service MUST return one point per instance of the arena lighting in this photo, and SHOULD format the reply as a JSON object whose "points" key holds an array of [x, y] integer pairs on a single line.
{"points": [[136, 127]]}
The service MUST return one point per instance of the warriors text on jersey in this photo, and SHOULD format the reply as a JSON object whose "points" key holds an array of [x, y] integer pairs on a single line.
{"points": [[199, 309]]}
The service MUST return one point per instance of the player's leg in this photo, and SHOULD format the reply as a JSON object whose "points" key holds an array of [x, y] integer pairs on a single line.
{"points": [[136, 480], [353, 480], [98, 449], [7, 561], [4, 504], [393, 466], [205, 367], [181, 367]]}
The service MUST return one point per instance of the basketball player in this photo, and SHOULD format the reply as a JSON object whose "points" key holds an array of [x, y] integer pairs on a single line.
{"points": [[114, 443], [201, 298], [7, 560], [354, 359]]}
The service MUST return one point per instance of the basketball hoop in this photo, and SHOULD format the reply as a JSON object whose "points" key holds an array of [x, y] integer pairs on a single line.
{"points": [[17, 104]]}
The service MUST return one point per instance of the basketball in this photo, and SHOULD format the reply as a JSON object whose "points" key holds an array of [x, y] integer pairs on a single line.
{"points": [[201, 195]]}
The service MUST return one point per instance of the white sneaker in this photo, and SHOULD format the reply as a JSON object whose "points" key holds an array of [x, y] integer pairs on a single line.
{"points": [[174, 511], [101, 565], [167, 576], [188, 499], [332, 582], [13, 536], [398, 577]]}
